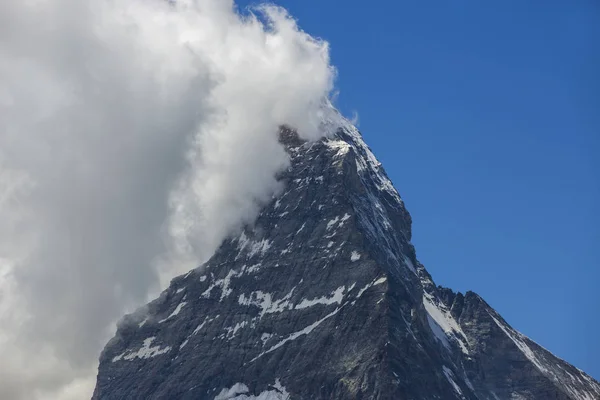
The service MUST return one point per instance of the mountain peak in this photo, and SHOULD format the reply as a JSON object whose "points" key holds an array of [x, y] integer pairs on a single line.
{"points": [[323, 298]]}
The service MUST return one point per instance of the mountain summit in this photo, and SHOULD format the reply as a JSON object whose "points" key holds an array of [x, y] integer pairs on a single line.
{"points": [[323, 298]]}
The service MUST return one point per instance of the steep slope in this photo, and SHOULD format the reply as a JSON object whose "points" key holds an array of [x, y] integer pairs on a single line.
{"points": [[323, 298]]}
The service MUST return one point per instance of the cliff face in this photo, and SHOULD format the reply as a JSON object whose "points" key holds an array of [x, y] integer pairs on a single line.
{"points": [[323, 298]]}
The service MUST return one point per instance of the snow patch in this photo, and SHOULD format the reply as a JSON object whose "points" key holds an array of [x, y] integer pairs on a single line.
{"points": [[297, 334], [335, 298], [176, 311], [438, 332], [265, 337], [223, 284], [355, 256], [517, 339], [410, 265], [206, 320], [252, 247], [259, 247], [375, 282], [339, 146], [239, 392], [449, 375], [145, 352], [332, 222], [366, 161], [252, 269], [440, 316], [231, 332], [231, 393], [301, 228], [265, 302]]}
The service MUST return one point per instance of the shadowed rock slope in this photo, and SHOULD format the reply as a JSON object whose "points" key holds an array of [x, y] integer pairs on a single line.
{"points": [[323, 298]]}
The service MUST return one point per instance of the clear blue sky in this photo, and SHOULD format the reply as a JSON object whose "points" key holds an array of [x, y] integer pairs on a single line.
{"points": [[486, 116]]}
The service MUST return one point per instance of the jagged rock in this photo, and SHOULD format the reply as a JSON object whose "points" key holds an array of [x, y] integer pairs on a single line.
{"points": [[323, 298]]}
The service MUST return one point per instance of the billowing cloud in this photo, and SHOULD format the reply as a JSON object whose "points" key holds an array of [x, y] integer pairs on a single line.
{"points": [[134, 136]]}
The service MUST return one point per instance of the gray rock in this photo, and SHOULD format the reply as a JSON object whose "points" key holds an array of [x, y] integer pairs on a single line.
{"points": [[323, 298]]}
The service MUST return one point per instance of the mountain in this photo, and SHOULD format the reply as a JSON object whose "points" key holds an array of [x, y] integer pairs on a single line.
{"points": [[324, 298]]}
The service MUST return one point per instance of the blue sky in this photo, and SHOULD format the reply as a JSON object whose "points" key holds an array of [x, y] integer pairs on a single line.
{"points": [[486, 116]]}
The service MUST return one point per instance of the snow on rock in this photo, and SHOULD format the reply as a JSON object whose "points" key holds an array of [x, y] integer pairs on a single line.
{"points": [[259, 247], [299, 333], [265, 302], [520, 341], [146, 351], [410, 265], [557, 374], [224, 284], [438, 332], [339, 146], [231, 393], [335, 298], [332, 222], [199, 327], [265, 337], [252, 247], [206, 321], [176, 311], [239, 391], [366, 162], [355, 256], [253, 268], [375, 282], [301, 228], [231, 331], [337, 221], [517, 339], [450, 376], [443, 324]]}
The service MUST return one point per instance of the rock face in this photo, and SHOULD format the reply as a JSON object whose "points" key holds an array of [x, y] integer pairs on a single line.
{"points": [[323, 298]]}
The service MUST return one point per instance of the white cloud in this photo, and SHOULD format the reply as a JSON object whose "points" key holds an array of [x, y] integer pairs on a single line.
{"points": [[130, 131]]}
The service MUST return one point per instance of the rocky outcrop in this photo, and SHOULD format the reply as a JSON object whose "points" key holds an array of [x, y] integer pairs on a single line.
{"points": [[323, 298]]}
